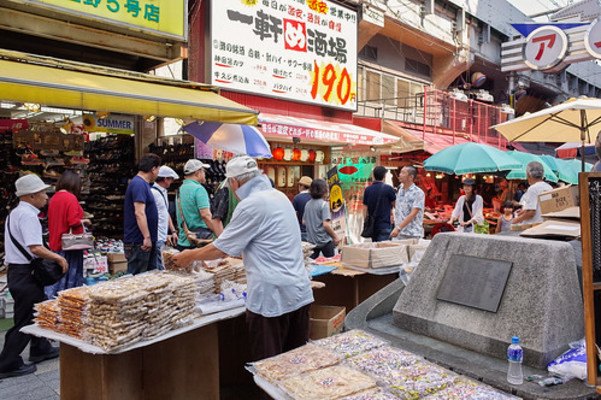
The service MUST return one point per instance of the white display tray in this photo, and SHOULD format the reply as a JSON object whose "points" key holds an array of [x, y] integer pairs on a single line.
{"points": [[86, 347], [275, 392], [375, 271]]}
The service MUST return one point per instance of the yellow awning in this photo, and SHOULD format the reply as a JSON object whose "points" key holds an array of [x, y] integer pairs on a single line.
{"points": [[23, 82]]}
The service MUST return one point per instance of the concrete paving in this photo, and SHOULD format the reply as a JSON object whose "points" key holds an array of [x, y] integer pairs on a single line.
{"points": [[44, 384]]}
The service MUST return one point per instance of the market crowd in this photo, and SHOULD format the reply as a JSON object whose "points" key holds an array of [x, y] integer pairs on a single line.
{"points": [[247, 218]]}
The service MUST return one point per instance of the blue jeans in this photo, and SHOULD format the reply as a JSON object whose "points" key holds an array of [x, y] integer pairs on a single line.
{"points": [[159, 261], [138, 260], [73, 277], [381, 235]]}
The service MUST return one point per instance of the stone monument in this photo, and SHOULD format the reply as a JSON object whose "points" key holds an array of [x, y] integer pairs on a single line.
{"points": [[463, 278]]}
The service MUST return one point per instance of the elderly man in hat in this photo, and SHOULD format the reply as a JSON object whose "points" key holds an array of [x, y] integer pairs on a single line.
{"points": [[300, 201], [264, 230], [23, 242], [193, 205], [166, 229]]}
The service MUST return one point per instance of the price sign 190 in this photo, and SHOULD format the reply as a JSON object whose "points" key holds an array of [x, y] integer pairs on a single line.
{"points": [[333, 84]]}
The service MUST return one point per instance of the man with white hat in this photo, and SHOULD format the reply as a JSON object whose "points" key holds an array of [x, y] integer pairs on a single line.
{"points": [[23, 242], [264, 230], [166, 230], [193, 201], [300, 201]]}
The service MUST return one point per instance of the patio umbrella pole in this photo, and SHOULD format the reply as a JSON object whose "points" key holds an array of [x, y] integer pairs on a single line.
{"points": [[583, 135]]}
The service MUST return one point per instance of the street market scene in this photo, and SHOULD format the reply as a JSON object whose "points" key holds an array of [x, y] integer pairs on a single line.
{"points": [[300, 199]]}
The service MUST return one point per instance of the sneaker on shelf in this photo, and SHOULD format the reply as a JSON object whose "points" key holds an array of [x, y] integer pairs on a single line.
{"points": [[51, 174], [48, 162], [88, 215], [49, 153], [30, 159], [75, 153], [80, 160]]}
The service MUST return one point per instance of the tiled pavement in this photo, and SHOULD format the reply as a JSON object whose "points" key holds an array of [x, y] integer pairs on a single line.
{"points": [[44, 384]]}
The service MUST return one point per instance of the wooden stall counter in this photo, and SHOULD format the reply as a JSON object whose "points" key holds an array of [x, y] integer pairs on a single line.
{"points": [[182, 364]]}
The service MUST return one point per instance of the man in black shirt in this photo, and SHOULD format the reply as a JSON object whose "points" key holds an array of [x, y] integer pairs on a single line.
{"points": [[379, 199]]}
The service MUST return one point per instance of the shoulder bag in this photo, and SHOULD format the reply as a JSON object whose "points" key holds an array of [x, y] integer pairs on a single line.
{"points": [[82, 241], [369, 225], [193, 237], [45, 272]]}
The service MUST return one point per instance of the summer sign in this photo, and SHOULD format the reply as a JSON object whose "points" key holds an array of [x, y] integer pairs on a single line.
{"points": [[301, 50]]}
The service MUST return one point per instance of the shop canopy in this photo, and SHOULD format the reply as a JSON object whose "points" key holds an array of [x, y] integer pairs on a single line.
{"points": [[134, 94], [321, 131]]}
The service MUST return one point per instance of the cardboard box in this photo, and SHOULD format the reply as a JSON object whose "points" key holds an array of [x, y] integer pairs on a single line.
{"points": [[117, 262], [559, 199], [554, 228], [375, 255], [116, 257], [326, 321], [571, 213]]}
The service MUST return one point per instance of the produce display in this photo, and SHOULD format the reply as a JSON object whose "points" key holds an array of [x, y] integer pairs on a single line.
{"points": [[383, 361], [295, 362]]}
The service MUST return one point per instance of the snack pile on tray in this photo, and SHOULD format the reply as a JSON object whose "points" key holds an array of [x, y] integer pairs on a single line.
{"points": [[139, 307], [47, 314], [229, 269], [327, 384], [351, 343], [356, 365], [295, 362], [72, 308]]}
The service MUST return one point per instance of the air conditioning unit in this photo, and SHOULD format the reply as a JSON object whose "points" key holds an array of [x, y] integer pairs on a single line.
{"points": [[457, 94]]}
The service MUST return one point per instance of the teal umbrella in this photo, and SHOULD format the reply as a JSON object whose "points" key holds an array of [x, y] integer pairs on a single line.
{"points": [[560, 169], [470, 158], [524, 159]]}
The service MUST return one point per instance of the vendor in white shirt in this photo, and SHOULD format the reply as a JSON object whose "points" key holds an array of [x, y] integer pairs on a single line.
{"points": [[530, 212]]}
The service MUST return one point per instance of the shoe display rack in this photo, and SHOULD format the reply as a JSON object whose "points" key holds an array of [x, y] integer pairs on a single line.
{"points": [[176, 155], [9, 173], [112, 165]]}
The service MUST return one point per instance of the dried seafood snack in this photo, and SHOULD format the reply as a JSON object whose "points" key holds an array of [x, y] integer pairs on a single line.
{"points": [[382, 360], [420, 380], [351, 343], [47, 314], [372, 394], [467, 389], [295, 362], [327, 384]]}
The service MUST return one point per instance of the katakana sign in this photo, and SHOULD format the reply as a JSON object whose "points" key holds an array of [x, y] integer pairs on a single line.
{"points": [[545, 47], [302, 50], [162, 17]]}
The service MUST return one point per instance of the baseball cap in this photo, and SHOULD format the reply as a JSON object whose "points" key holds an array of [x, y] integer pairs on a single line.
{"points": [[29, 184], [194, 165], [240, 165], [167, 172], [305, 181]]}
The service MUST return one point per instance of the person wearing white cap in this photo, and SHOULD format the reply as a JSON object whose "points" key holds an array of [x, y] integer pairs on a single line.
{"points": [[264, 230], [166, 230], [193, 201], [23, 234]]}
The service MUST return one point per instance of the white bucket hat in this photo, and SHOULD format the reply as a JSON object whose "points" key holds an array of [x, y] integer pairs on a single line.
{"points": [[29, 184]]}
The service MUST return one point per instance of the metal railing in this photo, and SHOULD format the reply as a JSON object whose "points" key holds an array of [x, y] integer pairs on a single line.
{"points": [[440, 112]]}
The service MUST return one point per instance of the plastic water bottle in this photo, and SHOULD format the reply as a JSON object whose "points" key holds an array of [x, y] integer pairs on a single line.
{"points": [[515, 356]]}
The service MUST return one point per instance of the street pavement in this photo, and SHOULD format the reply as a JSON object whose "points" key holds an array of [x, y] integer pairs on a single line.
{"points": [[44, 384]]}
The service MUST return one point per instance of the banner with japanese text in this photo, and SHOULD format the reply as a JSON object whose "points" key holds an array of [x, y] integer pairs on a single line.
{"points": [[300, 50], [163, 17], [337, 204]]}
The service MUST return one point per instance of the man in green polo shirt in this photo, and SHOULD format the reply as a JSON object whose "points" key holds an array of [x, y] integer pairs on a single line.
{"points": [[195, 204]]}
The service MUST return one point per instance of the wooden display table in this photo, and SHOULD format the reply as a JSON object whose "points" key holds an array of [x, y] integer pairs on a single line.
{"points": [[182, 364]]}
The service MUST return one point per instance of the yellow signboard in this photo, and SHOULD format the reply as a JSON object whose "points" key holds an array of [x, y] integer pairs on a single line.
{"points": [[159, 16]]}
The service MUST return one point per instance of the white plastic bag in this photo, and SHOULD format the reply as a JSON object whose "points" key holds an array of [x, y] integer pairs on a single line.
{"points": [[572, 363]]}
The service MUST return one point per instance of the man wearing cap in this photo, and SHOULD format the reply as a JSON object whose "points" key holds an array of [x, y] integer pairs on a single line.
{"points": [[24, 227], [140, 217], [193, 201], [300, 201], [264, 230], [378, 201], [166, 230]]}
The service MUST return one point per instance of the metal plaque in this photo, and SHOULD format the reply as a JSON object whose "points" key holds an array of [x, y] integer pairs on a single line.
{"points": [[474, 282]]}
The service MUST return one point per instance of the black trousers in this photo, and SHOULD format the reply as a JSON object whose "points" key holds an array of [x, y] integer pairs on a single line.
{"points": [[275, 335], [26, 291]]}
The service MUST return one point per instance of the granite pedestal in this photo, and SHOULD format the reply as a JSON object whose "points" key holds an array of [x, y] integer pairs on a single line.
{"points": [[541, 303]]}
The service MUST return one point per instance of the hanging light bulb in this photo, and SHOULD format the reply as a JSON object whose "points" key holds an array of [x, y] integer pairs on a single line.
{"points": [[33, 107], [102, 114]]}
